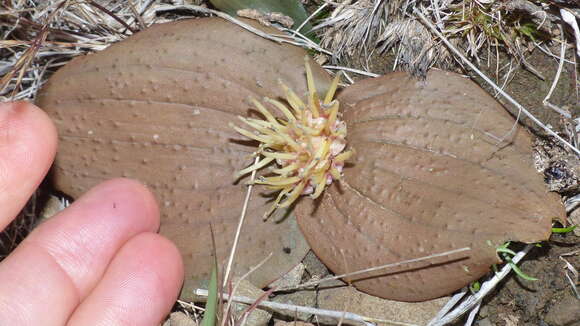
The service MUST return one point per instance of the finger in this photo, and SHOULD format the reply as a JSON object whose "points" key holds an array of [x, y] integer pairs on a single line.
{"points": [[27, 147], [139, 287], [64, 258]]}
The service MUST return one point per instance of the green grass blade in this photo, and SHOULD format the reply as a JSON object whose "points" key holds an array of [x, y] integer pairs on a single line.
{"points": [[519, 272], [506, 251], [210, 315], [564, 230]]}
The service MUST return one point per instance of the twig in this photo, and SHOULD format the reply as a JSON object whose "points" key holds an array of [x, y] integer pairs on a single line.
{"points": [[568, 17], [137, 15], [485, 289], [556, 79], [491, 83], [367, 321], [356, 71], [472, 315], [449, 305], [571, 270], [310, 17], [239, 228], [236, 286], [112, 15], [547, 52], [276, 38]]}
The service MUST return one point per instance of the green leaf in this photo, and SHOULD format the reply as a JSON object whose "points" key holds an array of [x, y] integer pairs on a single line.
{"points": [[530, 30], [519, 272], [564, 230], [210, 315], [290, 8], [506, 251], [474, 287]]}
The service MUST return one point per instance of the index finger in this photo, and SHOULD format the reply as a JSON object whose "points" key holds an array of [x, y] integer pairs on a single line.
{"points": [[27, 148]]}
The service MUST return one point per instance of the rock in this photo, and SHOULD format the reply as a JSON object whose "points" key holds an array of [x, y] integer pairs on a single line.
{"points": [[291, 323], [344, 298], [484, 322], [290, 279], [565, 312], [483, 312], [257, 317], [314, 266], [575, 220], [179, 319], [306, 298]]}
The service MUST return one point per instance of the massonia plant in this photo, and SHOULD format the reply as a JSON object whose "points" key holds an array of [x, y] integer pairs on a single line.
{"points": [[396, 168]]}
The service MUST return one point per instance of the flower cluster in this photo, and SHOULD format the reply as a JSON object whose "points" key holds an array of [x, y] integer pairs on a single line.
{"points": [[308, 146]]}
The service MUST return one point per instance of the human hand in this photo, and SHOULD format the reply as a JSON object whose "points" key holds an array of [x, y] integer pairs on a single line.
{"points": [[98, 262]]}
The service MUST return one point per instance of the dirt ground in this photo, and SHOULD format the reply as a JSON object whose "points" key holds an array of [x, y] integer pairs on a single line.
{"points": [[548, 301]]}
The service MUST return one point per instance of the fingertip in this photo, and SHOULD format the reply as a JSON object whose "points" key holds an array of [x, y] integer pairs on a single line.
{"points": [[28, 141], [167, 263], [20, 114], [139, 287], [122, 191], [158, 268], [84, 238]]}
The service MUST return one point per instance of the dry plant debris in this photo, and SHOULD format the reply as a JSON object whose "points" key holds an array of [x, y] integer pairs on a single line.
{"points": [[560, 167], [357, 29]]}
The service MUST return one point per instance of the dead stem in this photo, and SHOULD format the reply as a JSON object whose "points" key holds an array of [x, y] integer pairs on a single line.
{"points": [[474, 300], [367, 321], [115, 17], [377, 268]]}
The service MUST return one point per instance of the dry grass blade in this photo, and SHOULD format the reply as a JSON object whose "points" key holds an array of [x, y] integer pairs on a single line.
{"points": [[52, 33], [281, 38], [546, 103], [112, 15], [253, 306], [228, 305], [494, 85], [356, 28], [571, 272], [353, 29], [356, 71], [24, 62], [416, 51], [239, 228]]}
